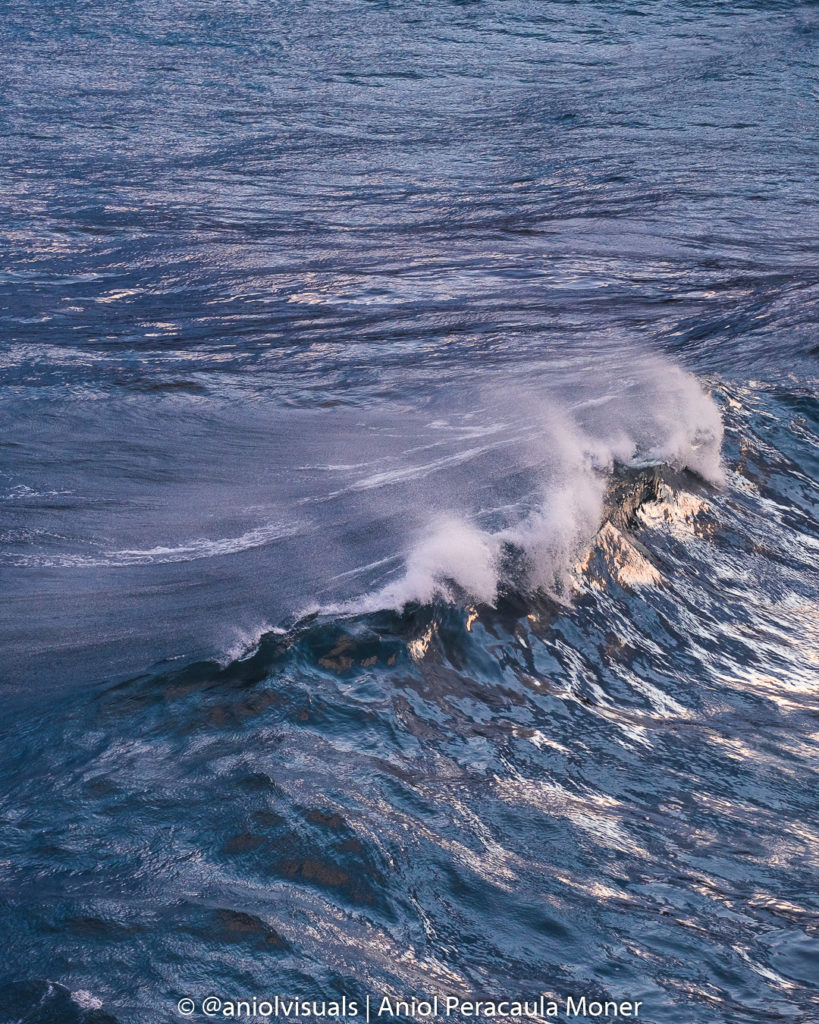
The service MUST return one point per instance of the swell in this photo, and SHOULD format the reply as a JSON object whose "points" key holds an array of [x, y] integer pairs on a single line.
{"points": [[663, 528], [608, 772]]}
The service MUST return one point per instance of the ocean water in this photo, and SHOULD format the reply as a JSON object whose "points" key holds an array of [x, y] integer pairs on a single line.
{"points": [[409, 467]]}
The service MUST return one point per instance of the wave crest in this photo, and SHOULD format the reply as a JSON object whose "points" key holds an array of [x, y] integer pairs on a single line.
{"points": [[675, 425]]}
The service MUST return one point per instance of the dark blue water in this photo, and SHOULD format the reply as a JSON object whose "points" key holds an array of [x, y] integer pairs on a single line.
{"points": [[408, 481]]}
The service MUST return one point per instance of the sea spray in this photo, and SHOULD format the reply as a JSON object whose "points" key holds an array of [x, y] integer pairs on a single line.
{"points": [[671, 421]]}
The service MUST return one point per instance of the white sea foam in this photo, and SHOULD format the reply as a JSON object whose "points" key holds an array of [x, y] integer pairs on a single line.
{"points": [[187, 551], [203, 547], [86, 1000], [453, 550], [244, 643]]}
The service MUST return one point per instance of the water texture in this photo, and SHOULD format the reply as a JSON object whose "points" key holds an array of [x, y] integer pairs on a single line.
{"points": [[408, 482]]}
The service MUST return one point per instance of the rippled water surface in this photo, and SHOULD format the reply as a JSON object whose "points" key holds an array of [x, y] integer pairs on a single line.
{"points": [[408, 486]]}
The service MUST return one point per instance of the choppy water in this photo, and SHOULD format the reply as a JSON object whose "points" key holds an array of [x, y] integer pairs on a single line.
{"points": [[408, 487]]}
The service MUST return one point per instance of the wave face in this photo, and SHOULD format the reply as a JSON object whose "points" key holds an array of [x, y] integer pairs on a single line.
{"points": [[408, 488]]}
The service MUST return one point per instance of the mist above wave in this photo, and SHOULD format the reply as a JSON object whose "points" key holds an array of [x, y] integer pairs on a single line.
{"points": [[662, 416]]}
